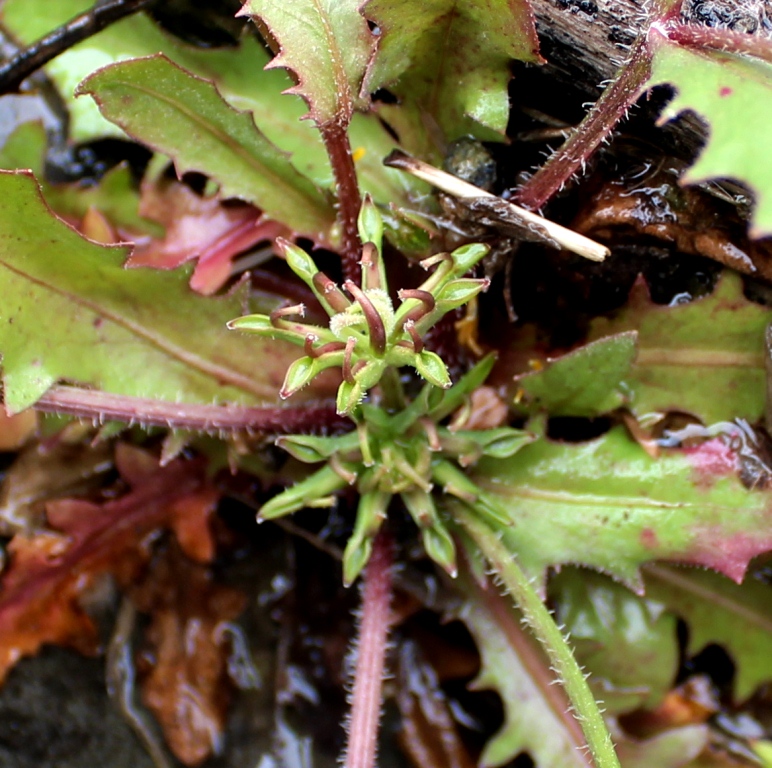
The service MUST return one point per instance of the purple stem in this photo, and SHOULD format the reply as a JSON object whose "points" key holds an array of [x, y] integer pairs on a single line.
{"points": [[607, 111], [335, 137], [371, 646], [719, 39], [103, 406]]}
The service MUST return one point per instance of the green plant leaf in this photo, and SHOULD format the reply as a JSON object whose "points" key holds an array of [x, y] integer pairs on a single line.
{"points": [[115, 195], [669, 749], [239, 76], [734, 95], [513, 665], [179, 114], [717, 339], [327, 45], [627, 643], [607, 504], [585, 382], [73, 313], [448, 60], [735, 616]]}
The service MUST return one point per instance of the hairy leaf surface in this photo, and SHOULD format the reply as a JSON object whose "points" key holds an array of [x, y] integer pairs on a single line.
{"points": [[609, 505], [73, 313], [734, 95]]}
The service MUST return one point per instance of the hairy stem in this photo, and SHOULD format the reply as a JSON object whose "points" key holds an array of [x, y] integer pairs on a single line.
{"points": [[543, 626], [740, 43], [371, 655], [335, 137], [18, 68], [103, 406], [607, 111]]}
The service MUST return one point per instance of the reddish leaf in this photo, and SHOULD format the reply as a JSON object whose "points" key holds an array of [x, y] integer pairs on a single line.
{"points": [[188, 688], [202, 228], [50, 572]]}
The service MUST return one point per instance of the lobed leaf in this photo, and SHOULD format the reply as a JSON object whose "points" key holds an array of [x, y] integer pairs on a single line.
{"points": [[628, 644], [680, 349], [733, 94], [50, 572], [516, 668], [73, 313], [735, 616]]}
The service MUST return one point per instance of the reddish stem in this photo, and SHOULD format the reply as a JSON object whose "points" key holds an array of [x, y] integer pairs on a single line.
{"points": [[718, 39], [607, 111], [103, 406], [335, 137], [371, 655]]}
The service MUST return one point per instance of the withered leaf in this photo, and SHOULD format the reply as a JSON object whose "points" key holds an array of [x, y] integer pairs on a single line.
{"points": [[187, 688], [50, 572]]}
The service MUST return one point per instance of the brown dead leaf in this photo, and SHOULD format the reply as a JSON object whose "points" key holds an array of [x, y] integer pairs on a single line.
{"points": [[50, 572], [187, 688], [199, 228]]}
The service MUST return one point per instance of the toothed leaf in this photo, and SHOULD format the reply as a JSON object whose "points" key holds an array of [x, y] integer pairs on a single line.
{"points": [[181, 115], [326, 44]]}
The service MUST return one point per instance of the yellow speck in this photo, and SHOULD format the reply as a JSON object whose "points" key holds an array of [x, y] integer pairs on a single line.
{"points": [[535, 364], [358, 154], [466, 328]]}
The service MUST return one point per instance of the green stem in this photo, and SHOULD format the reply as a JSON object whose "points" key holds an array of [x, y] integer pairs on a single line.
{"points": [[543, 626], [393, 393]]}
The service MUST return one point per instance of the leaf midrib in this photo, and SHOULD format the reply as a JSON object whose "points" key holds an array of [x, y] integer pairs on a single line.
{"points": [[172, 350], [233, 146]]}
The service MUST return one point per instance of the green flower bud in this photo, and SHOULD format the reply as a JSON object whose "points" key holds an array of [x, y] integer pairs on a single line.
{"points": [[309, 492], [431, 367]]}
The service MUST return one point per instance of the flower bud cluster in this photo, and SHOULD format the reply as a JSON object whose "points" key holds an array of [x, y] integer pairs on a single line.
{"points": [[366, 334]]}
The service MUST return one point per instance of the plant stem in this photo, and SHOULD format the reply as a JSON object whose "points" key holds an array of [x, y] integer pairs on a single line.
{"points": [[39, 53], [607, 111], [726, 40], [543, 626], [371, 655], [336, 142], [104, 406], [393, 392]]}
